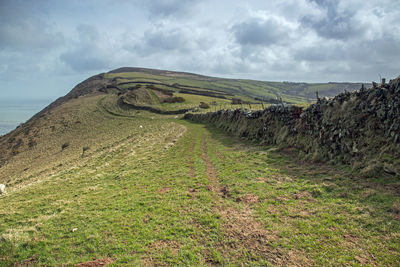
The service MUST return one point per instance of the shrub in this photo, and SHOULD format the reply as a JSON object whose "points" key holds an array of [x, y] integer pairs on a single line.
{"points": [[204, 105], [84, 149], [175, 99], [32, 143], [64, 146], [236, 101]]}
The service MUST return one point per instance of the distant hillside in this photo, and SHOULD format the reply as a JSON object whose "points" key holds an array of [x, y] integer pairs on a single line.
{"points": [[190, 83], [291, 92]]}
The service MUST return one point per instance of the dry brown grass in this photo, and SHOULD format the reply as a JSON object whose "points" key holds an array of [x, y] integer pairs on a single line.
{"points": [[81, 123]]}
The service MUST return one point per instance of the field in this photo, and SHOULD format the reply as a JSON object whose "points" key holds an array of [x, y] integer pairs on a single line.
{"points": [[104, 184], [293, 93]]}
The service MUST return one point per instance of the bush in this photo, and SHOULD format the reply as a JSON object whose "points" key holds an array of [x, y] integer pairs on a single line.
{"points": [[84, 149], [175, 99], [236, 101], [32, 143], [64, 146], [204, 105]]}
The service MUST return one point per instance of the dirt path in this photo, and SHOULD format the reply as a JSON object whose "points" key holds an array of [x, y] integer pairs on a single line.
{"points": [[192, 173], [243, 235]]}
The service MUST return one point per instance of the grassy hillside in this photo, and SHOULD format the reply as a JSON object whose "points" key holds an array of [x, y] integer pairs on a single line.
{"points": [[289, 91], [90, 180]]}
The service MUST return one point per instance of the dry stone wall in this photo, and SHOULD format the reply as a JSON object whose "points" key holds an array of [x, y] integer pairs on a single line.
{"points": [[360, 128]]}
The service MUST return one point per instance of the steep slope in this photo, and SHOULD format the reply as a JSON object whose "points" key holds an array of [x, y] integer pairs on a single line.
{"points": [[27, 147], [25, 137]]}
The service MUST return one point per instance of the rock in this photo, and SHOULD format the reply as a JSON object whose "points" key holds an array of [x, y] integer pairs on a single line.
{"points": [[355, 149], [372, 170], [2, 189], [388, 168]]}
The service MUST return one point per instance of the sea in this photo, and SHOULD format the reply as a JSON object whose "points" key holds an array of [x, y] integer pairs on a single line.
{"points": [[13, 112]]}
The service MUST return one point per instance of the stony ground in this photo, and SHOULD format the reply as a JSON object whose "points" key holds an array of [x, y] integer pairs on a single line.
{"points": [[163, 191]]}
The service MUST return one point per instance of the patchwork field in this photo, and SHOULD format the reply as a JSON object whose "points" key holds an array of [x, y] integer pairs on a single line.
{"points": [[108, 185], [290, 92]]}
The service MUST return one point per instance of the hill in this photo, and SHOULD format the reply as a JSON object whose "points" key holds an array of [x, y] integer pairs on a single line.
{"points": [[111, 174], [169, 92], [289, 91]]}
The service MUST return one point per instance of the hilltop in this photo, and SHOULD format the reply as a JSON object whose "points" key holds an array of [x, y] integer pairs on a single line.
{"points": [[290, 92], [112, 174]]}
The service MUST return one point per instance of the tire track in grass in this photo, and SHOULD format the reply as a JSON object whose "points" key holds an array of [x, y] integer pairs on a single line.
{"points": [[192, 173], [244, 237]]}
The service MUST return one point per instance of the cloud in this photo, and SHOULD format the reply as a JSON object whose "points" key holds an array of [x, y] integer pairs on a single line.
{"points": [[168, 38], [22, 29], [167, 8], [296, 40], [160, 40], [256, 31], [319, 51], [337, 23], [84, 59], [88, 53]]}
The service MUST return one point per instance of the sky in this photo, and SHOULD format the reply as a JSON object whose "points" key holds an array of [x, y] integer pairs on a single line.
{"points": [[49, 46]]}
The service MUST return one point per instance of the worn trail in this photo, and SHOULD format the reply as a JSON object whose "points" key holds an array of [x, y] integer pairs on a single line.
{"points": [[243, 235]]}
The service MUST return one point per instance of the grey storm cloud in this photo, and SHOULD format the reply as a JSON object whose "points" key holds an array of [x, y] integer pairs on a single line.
{"points": [[336, 24], [260, 32]]}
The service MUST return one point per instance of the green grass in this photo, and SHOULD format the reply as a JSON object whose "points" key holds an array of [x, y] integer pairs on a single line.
{"points": [[295, 93], [193, 101], [330, 214], [177, 193]]}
